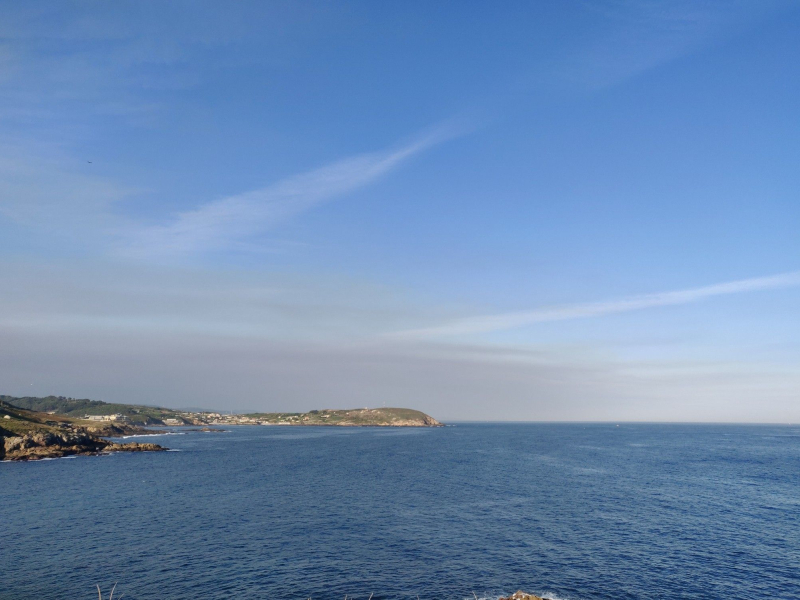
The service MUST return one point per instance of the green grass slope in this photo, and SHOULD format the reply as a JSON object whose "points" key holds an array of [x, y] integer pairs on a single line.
{"points": [[77, 408], [23, 422]]}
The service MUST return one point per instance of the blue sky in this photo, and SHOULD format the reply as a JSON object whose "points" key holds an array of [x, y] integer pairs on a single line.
{"points": [[525, 211]]}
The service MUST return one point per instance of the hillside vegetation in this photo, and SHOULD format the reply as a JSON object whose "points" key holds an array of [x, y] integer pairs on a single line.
{"points": [[78, 408], [53, 407], [374, 417]]}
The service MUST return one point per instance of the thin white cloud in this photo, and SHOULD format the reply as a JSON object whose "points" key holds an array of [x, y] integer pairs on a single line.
{"points": [[226, 222], [633, 37], [498, 322]]}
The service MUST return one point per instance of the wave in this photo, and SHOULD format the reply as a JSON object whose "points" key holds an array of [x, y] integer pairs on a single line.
{"points": [[125, 437], [552, 596]]}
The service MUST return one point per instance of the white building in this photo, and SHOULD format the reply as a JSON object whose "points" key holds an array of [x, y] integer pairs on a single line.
{"points": [[115, 417]]}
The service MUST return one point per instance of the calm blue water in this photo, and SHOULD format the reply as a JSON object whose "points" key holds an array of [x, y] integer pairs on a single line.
{"points": [[575, 511]]}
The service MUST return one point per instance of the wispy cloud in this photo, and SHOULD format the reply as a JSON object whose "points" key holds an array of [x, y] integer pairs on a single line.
{"points": [[224, 223], [498, 322], [633, 36]]}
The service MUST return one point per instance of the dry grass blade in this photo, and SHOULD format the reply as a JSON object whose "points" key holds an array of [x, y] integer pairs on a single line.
{"points": [[111, 595]]}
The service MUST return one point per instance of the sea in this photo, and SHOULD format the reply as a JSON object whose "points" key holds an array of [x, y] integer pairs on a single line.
{"points": [[471, 510]]}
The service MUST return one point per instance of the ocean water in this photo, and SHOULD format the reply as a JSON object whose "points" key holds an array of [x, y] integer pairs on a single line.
{"points": [[578, 511]]}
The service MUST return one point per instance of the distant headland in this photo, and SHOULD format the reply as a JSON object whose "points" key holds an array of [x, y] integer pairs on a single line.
{"points": [[353, 417], [123, 415], [54, 426]]}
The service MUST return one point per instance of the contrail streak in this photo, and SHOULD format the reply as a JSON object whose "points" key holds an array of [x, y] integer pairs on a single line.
{"points": [[498, 322]]}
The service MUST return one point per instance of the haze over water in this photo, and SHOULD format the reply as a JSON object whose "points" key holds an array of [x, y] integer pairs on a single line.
{"points": [[573, 511]]}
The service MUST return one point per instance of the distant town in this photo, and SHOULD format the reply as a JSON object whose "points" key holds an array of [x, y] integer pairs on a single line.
{"points": [[209, 418], [359, 416]]}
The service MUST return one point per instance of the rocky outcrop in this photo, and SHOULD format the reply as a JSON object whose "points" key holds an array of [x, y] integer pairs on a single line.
{"points": [[132, 447], [116, 430], [426, 421], [52, 444]]}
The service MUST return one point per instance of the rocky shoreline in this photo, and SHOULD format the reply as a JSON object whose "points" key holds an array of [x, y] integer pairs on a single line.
{"points": [[28, 435], [37, 446]]}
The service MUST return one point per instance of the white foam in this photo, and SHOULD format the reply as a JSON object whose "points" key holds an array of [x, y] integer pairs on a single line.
{"points": [[552, 596], [125, 437]]}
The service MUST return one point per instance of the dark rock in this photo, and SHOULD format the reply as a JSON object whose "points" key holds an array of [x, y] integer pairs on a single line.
{"points": [[49, 444]]}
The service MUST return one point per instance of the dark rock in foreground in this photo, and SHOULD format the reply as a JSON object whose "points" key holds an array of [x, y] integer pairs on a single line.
{"points": [[47, 444]]}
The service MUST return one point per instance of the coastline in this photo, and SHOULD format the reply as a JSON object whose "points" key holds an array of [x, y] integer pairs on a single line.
{"points": [[27, 436], [41, 446]]}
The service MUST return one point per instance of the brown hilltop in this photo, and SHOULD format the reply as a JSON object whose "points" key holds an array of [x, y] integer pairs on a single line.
{"points": [[350, 417]]}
